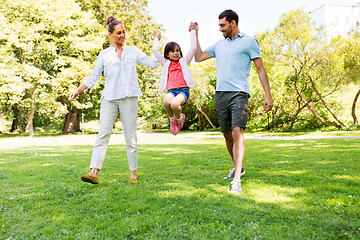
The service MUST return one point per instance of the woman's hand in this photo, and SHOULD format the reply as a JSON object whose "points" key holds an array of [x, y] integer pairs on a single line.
{"points": [[77, 91], [158, 35], [74, 94]]}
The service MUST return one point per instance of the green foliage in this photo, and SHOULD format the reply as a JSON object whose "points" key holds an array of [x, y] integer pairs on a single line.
{"points": [[298, 189], [50, 44], [49, 47], [352, 56], [305, 73], [202, 101], [140, 32]]}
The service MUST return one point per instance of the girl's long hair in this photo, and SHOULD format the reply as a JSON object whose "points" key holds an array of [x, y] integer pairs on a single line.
{"points": [[170, 47]]}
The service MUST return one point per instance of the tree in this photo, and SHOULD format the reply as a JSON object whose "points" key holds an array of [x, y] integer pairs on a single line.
{"points": [[44, 38], [140, 32], [311, 71], [352, 67], [12, 87], [286, 105], [202, 95], [50, 48]]}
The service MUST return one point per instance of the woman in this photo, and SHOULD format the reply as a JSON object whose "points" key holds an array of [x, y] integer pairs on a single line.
{"points": [[118, 63]]}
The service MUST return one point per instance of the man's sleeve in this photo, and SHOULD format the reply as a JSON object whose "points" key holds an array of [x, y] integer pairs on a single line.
{"points": [[254, 49], [212, 50]]}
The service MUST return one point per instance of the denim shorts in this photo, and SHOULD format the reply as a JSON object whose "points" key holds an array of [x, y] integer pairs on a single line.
{"points": [[183, 90], [231, 109]]}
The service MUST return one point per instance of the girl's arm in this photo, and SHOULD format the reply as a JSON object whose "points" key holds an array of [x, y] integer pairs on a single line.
{"points": [[156, 52], [145, 60], [200, 55], [192, 50]]}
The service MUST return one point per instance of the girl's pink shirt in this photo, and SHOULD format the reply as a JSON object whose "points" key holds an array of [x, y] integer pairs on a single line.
{"points": [[175, 76], [184, 63]]}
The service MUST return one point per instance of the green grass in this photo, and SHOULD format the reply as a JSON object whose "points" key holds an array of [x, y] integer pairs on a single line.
{"points": [[304, 189]]}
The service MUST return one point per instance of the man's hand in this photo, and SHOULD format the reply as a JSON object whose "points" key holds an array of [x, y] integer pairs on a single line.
{"points": [[268, 104]]}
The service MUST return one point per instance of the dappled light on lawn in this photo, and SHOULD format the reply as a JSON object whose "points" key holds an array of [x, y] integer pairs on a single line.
{"points": [[182, 188], [291, 190], [283, 196]]}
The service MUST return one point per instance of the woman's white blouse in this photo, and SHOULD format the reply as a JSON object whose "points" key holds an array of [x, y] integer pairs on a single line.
{"points": [[120, 73]]}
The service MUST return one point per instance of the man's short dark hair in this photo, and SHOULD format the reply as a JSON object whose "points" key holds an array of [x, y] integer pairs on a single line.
{"points": [[229, 15]]}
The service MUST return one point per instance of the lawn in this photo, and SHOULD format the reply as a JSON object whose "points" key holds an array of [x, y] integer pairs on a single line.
{"points": [[297, 189]]}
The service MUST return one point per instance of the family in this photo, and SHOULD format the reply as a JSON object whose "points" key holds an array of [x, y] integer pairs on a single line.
{"points": [[234, 55]]}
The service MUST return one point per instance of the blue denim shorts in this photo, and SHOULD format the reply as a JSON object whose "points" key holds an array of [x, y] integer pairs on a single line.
{"points": [[183, 90]]}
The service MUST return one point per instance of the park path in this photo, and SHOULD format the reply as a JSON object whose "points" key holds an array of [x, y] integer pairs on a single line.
{"points": [[143, 138]]}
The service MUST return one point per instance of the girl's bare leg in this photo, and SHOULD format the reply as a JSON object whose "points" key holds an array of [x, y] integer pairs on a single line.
{"points": [[167, 104], [176, 105]]}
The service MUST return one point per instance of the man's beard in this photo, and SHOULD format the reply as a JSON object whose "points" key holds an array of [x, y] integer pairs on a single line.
{"points": [[228, 34]]}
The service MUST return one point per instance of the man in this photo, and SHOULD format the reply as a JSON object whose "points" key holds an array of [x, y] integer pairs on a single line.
{"points": [[233, 59]]}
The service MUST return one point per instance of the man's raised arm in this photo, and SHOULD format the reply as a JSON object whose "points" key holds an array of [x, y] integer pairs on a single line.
{"points": [[199, 54]]}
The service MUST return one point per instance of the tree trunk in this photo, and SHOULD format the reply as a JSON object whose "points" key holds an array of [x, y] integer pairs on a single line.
{"points": [[295, 115], [29, 126], [70, 118], [297, 112], [15, 121], [326, 106], [77, 122], [356, 122], [323, 121], [69, 123], [207, 118], [201, 124], [14, 125]]}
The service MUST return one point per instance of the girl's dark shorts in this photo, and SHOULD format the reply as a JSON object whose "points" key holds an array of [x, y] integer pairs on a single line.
{"points": [[231, 109]]}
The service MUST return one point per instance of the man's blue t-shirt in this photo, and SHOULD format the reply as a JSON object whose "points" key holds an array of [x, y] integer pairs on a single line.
{"points": [[233, 60]]}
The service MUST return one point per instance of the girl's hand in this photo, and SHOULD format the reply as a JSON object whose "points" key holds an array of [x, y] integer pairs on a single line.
{"points": [[158, 35]]}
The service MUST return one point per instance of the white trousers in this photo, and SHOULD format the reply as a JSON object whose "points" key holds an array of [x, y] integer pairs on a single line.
{"points": [[109, 110]]}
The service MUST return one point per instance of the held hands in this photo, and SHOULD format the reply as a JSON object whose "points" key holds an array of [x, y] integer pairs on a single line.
{"points": [[193, 26]]}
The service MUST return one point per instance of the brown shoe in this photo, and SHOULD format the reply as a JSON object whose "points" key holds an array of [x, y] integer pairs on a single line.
{"points": [[132, 180], [90, 178]]}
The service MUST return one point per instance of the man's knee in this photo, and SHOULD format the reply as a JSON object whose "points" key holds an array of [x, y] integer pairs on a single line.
{"points": [[228, 135], [237, 133], [237, 129]]}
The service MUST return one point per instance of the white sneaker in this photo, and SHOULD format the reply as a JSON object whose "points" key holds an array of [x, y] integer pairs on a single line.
{"points": [[236, 187]]}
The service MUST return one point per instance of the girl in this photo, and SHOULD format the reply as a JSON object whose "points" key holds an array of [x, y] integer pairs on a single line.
{"points": [[176, 78], [118, 63]]}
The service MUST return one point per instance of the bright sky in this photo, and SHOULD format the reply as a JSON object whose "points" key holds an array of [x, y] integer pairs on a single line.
{"points": [[255, 16]]}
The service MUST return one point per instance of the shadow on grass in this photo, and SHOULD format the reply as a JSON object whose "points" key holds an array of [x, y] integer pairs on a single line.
{"points": [[292, 189]]}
